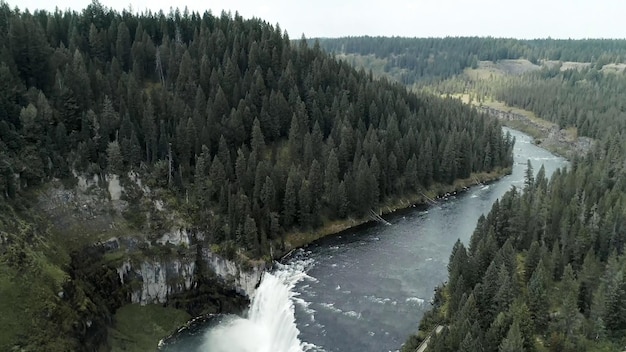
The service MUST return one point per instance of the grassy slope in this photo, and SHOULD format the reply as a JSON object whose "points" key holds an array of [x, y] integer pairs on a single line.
{"points": [[31, 276], [13, 304], [534, 128], [30, 289], [139, 328]]}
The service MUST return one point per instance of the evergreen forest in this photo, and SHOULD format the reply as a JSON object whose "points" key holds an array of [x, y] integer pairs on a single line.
{"points": [[246, 134], [412, 60], [253, 137], [256, 133]]}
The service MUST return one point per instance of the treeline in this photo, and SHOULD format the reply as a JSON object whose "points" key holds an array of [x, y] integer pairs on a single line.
{"points": [[432, 59], [588, 99], [545, 270], [257, 135]]}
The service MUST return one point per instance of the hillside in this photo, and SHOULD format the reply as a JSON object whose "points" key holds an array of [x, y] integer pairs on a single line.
{"points": [[138, 150], [507, 75], [419, 60]]}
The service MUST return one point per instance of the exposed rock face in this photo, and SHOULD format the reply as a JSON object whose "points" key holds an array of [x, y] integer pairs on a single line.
{"points": [[159, 279], [244, 281], [179, 237], [154, 280], [115, 189]]}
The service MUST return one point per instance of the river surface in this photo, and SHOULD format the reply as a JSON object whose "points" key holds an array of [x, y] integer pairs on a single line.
{"points": [[365, 289]]}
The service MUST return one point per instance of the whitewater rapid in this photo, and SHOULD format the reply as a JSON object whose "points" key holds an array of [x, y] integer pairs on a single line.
{"points": [[270, 323]]}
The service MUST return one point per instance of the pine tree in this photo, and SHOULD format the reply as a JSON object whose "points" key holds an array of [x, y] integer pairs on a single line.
{"points": [[532, 260], [615, 316], [331, 181], [257, 142], [268, 194], [250, 234], [513, 341], [505, 294], [487, 293], [538, 302], [342, 200], [569, 317], [317, 188], [305, 217], [295, 141], [149, 129], [529, 177], [456, 269], [521, 314], [122, 46], [290, 201], [114, 158]]}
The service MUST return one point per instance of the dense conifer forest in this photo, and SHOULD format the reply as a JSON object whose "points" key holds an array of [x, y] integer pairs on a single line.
{"points": [[257, 133], [249, 135]]}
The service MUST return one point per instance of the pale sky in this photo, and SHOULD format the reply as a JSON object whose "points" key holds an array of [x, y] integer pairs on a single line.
{"points": [[418, 18]]}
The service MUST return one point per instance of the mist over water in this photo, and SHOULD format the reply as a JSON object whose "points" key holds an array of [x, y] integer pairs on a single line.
{"points": [[270, 323], [367, 289], [268, 326]]}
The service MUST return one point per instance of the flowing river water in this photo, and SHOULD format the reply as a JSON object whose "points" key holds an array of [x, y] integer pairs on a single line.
{"points": [[364, 289]]}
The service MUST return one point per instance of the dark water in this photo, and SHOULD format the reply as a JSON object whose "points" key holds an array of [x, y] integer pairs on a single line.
{"points": [[367, 290]]}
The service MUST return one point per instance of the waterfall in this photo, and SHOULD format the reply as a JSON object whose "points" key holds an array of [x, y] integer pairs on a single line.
{"points": [[270, 323]]}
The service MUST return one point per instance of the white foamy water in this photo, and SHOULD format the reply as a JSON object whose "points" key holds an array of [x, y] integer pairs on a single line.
{"points": [[270, 325]]}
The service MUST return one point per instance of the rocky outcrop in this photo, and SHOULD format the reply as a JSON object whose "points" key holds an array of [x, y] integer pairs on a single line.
{"points": [[158, 279], [177, 237], [244, 281], [153, 280]]}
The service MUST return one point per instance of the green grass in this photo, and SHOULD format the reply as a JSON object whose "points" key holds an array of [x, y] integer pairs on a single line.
{"points": [[115, 258], [12, 307], [139, 328], [25, 299], [27, 288]]}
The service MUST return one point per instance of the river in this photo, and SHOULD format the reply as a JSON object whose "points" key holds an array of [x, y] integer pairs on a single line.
{"points": [[365, 289]]}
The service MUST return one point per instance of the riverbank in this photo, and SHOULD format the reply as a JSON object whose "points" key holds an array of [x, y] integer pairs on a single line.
{"points": [[562, 142], [300, 239], [548, 135]]}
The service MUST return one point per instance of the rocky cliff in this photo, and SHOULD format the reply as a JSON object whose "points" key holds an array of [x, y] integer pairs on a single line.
{"points": [[154, 250], [154, 279]]}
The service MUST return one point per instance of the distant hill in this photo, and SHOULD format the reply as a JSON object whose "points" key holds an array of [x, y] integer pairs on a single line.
{"points": [[410, 60]]}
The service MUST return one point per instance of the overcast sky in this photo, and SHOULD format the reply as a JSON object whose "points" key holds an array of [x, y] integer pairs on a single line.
{"points": [[417, 18]]}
